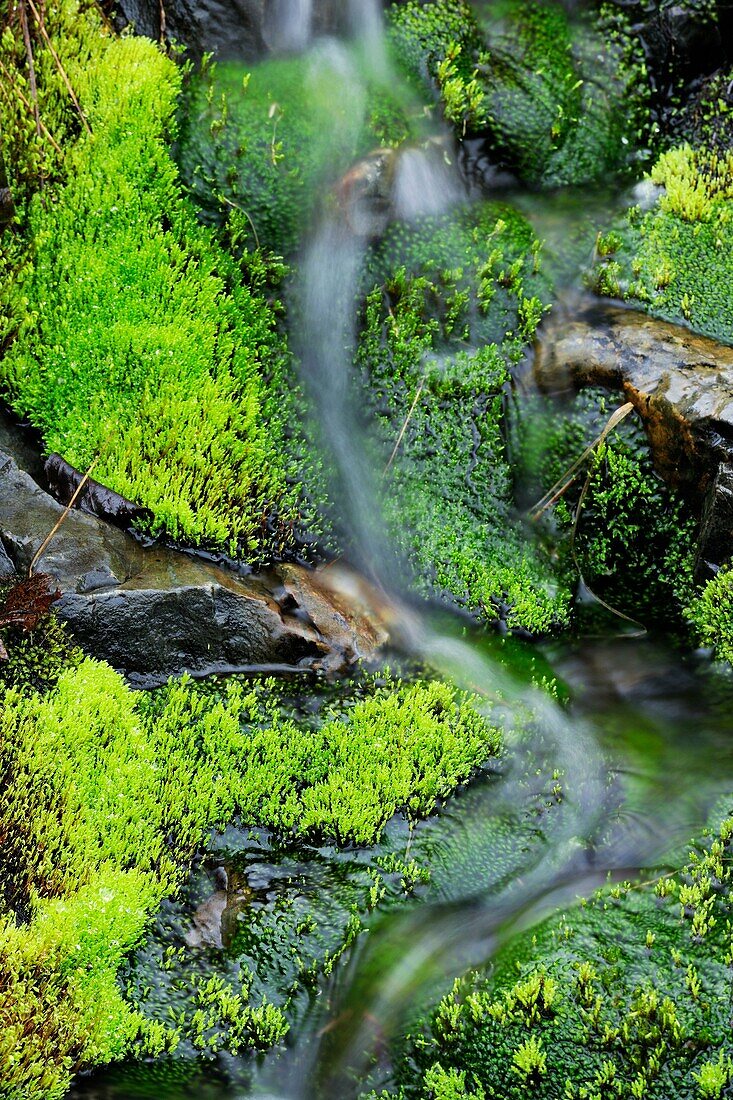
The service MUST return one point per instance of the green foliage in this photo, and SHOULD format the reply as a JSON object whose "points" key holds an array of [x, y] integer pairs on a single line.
{"points": [[639, 982], [675, 259], [37, 658], [563, 102], [105, 795], [448, 291], [711, 614], [268, 140], [635, 539], [140, 341]]}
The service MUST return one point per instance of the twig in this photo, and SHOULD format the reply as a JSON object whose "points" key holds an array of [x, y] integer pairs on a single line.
{"points": [[27, 104], [563, 483], [403, 429], [235, 206], [31, 65], [59, 66], [44, 545], [163, 25]]}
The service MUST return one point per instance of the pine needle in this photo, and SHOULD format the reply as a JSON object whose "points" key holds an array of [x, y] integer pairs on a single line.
{"points": [[59, 522], [59, 66]]}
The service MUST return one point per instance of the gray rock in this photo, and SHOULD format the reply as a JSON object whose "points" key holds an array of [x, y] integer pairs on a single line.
{"points": [[246, 29], [153, 612]]}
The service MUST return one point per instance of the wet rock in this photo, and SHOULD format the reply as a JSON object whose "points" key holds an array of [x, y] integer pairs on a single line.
{"points": [[680, 383], [246, 29], [153, 612], [716, 527], [64, 481]]}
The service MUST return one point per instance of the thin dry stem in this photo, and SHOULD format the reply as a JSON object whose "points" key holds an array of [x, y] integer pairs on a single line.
{"points": [[59, 66], [59, 522], [23, 15], [403, 429]]}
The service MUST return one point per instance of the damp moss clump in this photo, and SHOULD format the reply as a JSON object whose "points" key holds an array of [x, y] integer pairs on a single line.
{"points": [[634, 540], [451, 305], [675, 258], [710, 613], [139, 343], [626, 996], [561, 100], [106, 796], [269, 139]]}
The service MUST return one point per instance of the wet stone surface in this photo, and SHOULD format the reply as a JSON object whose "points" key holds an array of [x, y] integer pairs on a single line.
{"points": [[154, 612]]}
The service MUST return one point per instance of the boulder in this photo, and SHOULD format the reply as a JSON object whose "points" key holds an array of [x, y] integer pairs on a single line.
{"points": [[153, 612]]}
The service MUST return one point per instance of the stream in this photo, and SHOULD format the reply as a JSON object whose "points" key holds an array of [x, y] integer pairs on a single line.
{"points": [[605, 778]]}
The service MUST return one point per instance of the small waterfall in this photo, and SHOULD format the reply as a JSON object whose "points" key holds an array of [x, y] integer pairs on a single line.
{"points": [[366, 23], [289, 25], [426, 182]]}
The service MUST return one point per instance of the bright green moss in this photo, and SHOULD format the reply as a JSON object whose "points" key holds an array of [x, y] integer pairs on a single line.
{"points": [[271, 138], [140, 342], [675, 260], [105, 797], [562, 101], [627, 996], [635, 540], [449, 291], [711, 614]]}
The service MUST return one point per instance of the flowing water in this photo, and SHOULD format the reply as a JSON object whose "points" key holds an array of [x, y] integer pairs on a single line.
{"points": [[615, 777]]}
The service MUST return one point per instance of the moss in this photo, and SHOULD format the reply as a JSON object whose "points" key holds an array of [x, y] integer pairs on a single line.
{"points": [[271, 138], [36, 658], [711, 614], [105, 797], [626, 996], [140, 341], [675, 259], [435, 345], [635, 541], [562, 102], [705, 119]]}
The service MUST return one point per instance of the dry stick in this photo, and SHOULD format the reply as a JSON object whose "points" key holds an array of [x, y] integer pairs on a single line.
{"points": [[403, 429], [163, 27], [59, 66], [44, 545], [27, 104], [31, 65], [563, 483]]}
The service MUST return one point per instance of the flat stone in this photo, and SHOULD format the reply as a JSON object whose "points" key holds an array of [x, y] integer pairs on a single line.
{"points": [[154, 612]]}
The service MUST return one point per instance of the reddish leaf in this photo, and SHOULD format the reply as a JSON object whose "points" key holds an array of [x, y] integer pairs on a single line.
{"points": [[28, 602]]}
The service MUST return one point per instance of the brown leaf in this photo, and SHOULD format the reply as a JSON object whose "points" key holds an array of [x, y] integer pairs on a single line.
{"points": [[28, 602]]}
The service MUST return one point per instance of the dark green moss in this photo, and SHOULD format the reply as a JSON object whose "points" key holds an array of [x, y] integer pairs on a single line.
{"points": [[626, 996], [455, 302], [270, 139], [635, 540], [562, 101]]}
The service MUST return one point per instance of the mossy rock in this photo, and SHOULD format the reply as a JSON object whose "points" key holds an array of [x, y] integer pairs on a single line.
{"points": [[450, 304], [675, 259], [561, 101], [626, 996], [270, 138]]}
